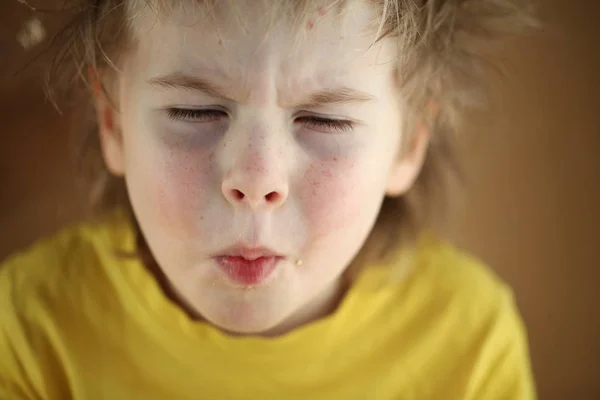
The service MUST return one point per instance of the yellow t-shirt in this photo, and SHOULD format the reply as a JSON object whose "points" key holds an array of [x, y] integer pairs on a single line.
{"points": [[77, 322]]}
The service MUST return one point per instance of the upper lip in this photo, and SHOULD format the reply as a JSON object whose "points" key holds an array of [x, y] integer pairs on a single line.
{"points": [[249, 253]]}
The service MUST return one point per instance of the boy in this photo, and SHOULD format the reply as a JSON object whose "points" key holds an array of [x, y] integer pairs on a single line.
{"points": [[275, 158]]}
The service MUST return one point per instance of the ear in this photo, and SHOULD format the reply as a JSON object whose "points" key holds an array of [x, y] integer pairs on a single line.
{"points": [[407, 166], [109, 128]]}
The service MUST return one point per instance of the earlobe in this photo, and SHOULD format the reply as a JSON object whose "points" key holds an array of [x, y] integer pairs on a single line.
{"points": [[406, 168], [109, 130]]}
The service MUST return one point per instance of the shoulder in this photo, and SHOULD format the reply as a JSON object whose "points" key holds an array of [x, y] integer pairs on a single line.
{"points": [[54, 270], [441, 290], [471, 322], [35, 278], [466, 292], [49, 261], [45, 292], [64, 254], [440, 280], [454, 273]]}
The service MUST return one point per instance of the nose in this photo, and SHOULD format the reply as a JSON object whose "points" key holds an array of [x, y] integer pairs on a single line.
{"points": [[257, 179]]}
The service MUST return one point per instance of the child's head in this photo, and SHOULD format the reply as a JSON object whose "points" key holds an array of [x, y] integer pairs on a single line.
{"points": [[313, 130]]}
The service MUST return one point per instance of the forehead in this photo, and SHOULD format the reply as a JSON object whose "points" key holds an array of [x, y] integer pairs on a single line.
{"points": [[253, 44]]}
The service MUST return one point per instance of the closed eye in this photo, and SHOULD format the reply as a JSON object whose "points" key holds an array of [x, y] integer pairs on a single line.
{"points": [[326, 124], [195, 115]]}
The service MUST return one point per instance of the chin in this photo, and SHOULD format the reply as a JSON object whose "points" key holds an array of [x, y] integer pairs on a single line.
{"points": [[247, 328], [246, 319]]}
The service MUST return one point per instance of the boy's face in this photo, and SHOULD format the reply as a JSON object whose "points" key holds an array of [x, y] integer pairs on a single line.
{"points": [[237, 143]]}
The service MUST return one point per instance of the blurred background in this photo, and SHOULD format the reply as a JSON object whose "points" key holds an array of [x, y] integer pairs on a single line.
{"points": [[533, 190]]}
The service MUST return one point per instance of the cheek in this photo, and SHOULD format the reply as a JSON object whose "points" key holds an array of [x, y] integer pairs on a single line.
{"points": [[335, 194], [178, 190]]}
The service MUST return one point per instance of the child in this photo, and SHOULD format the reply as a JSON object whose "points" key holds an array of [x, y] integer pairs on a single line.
{"points": [[272, 169]]}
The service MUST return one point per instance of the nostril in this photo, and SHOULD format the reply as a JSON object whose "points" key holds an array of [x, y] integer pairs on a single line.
{"points": [[272, 197], [238, 195]]}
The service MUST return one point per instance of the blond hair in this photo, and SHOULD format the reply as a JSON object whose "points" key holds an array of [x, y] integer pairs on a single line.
{"points": [[440, 72]]}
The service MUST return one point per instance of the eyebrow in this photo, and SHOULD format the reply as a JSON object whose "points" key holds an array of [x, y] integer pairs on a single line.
{"points": [[187, 82], [339, 95]]}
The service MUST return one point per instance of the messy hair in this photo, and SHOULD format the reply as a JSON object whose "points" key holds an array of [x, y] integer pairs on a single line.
{"points": [[440, 72]]}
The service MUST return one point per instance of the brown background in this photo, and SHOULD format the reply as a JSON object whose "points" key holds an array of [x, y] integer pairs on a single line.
{"points": [[533, 192]]}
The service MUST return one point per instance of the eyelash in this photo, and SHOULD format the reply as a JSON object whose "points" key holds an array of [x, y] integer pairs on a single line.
{"points": [[193, 115], [188, 114], [335, 124]]}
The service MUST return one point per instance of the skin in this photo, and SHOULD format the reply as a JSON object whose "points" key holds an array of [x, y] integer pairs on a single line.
{"points": [[258, 171]]}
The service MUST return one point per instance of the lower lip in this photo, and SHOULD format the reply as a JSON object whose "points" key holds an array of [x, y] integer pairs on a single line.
{"points": [[248, 272]]}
